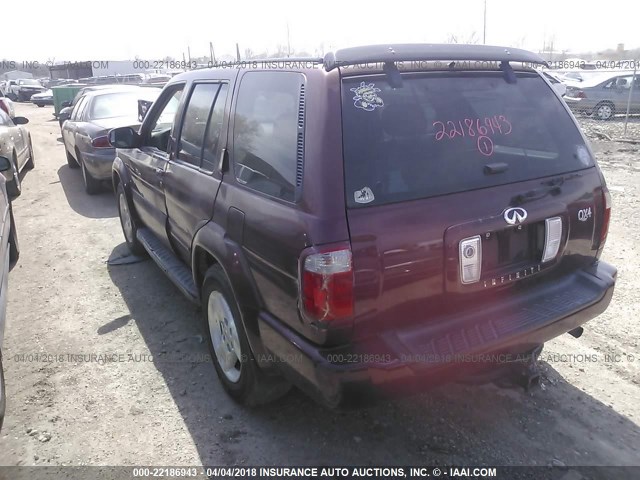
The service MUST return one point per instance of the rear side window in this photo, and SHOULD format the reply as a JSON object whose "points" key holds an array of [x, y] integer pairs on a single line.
{"points": [[440, 133], [214, 129], [265, 133], [195, 122]]}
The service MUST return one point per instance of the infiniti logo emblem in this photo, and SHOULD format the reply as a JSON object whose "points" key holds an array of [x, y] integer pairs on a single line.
{"points": [[515, 215]]}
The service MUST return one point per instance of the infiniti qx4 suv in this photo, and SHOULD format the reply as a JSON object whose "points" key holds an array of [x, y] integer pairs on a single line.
{"points": [[379, 220]]}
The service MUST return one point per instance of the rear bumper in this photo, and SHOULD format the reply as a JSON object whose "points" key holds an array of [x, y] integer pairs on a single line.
{"points": [[438, 352], [581, 105], [99, 162], [42, 101]]}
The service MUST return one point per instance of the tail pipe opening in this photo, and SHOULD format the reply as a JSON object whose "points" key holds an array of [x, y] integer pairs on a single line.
{"points": [[576, 332]]}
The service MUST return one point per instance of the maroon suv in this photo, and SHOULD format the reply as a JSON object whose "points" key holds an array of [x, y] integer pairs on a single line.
{"points": [[388, 216]]}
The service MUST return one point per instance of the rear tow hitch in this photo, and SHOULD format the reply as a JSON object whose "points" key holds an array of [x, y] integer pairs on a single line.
{"points": [[525, 372]]}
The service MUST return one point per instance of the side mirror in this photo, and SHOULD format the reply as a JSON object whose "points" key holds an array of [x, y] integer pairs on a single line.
{"points": [[5, 164], [124, 137], [63, 116], [65, 104], [20, 120]]}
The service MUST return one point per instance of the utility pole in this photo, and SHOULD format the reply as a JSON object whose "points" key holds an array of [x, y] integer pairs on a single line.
{"points": [[212, 54], [484, 30]]}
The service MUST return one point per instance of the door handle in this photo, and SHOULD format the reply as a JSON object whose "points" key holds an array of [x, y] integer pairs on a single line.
{"points": [[158, 171]]}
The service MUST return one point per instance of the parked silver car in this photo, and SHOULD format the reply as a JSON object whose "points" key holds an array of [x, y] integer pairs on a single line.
{"points": [[9, 253], [605, 97], [85, 133], [15, 144]]}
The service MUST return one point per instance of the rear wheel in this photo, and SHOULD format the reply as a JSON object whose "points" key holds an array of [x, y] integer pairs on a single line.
{"points": [[32, 162], [128, 222], [232, 358], [2, 393], [91, 185], [604, 111], [14, 248], [14, 187]]}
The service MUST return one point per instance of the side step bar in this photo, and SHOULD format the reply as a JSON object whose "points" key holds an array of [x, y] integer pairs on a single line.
{"points": [[177, 271]]}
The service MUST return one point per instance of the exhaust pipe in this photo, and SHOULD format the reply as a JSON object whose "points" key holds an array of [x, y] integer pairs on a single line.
{"points": [[576, 332]]}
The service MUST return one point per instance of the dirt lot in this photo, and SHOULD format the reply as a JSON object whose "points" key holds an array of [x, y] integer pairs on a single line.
{"points": [[170, 410]]}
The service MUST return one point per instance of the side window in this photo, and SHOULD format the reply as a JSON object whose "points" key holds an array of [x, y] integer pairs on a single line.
{"points": [[79, 108], [265, 132], [195, 122], [214, 128], [162, 123]]}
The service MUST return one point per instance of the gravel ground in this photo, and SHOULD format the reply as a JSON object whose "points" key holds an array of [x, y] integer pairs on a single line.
{"points": [[67, 304]]}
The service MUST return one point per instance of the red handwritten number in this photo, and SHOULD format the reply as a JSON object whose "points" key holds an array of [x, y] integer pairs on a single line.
{"points": [[454, 131], [487, 122], [496, 123], [503, 119], [469, 123], [482, 130], [485, 145]]}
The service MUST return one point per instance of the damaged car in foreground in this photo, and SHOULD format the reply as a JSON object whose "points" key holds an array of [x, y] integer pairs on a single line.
{"points": [[378, 221]]}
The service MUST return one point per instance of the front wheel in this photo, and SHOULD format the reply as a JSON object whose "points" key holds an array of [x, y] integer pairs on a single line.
{"points": [[232, 358], [128, 222]]}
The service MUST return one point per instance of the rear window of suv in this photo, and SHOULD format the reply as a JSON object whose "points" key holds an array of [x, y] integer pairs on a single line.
{"points": [[441, 133]]}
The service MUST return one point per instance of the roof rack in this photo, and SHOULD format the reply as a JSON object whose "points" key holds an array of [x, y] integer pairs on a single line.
{"points": [[428, 52], [316, 60]]}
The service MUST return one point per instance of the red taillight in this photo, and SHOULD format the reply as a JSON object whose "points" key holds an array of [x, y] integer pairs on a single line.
{"points": [[101, 142], [327, 284], [606, 215], [4, 106], [581, 94]]}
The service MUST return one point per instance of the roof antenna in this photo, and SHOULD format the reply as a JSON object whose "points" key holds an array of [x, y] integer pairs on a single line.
{"points": [[509, 74], [393, 74]]}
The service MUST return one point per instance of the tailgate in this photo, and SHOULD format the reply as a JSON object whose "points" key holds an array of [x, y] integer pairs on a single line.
{"points": [[450, 157]]}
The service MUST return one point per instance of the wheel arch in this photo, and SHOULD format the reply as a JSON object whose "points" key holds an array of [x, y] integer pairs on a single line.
{"points": [[212, 247]]}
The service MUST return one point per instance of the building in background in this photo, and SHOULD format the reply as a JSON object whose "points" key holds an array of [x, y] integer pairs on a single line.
{"points": [[15, 75]]}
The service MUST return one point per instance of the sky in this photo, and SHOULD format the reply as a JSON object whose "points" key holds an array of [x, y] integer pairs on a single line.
{"points": [[129, 29]]}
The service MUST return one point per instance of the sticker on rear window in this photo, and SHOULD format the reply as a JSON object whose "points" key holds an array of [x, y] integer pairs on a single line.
{"points": [[364, 195], [367, 97]]}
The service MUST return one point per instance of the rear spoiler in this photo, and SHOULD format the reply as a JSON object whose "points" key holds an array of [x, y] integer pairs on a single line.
{"points": [[428, 52]]}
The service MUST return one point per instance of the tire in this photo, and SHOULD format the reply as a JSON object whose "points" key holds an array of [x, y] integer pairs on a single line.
{"points": [[70, 160], [232, 358], [31, 163], [128, 222], [91, 185], [604, 111], [3, 401], [14, 187], [40, 105], [14, 247]]}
